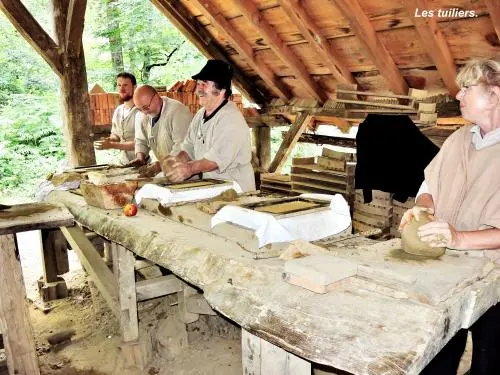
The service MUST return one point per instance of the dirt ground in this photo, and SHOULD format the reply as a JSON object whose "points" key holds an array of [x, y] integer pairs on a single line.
{"points": [[213, 349]]}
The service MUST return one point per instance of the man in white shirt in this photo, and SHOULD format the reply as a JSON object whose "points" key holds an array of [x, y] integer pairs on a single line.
{"points": [[218, 141], [162, 129], [123, 123]]}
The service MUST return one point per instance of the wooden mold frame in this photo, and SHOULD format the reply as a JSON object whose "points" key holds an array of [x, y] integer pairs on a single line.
{"points": [[289, 206], [195, 184]]}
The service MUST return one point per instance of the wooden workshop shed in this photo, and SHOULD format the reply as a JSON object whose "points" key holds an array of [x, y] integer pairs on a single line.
{"points": [[282, 50]]}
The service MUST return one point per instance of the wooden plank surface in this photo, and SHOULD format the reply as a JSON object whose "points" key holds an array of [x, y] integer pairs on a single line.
{"points": [[355, 328], [32, 216]]}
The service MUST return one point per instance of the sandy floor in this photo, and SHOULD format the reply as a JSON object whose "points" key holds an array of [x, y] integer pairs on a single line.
{"points": [[95, 349]]}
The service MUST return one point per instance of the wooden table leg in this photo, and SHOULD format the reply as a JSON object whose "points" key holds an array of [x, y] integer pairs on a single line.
{"points": [[261, 358], [14, 317], [55, 262], [123, 268]]}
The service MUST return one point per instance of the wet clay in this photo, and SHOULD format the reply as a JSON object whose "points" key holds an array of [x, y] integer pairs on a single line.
{"points": [[411, 242]]}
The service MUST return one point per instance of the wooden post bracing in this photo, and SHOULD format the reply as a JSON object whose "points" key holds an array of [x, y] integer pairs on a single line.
{"points": [[289, 141]]}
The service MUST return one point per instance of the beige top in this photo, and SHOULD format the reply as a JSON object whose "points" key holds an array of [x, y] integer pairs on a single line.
{"points": [[225, 140], [464, 183], [123, 126], [167, 135]]}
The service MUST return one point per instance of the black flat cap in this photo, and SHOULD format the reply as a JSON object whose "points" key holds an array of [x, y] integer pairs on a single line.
{"points": [[217, 71]]}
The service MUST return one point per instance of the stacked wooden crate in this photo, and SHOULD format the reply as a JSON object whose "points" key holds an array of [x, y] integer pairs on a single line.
{"points": [[378, 214], [353, 105], [398, 211], [102, 106], [331, 173], [276, 183]]}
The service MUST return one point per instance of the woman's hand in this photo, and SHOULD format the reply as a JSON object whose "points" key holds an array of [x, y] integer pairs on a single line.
{"points": [[439, 234], [413, 212]]}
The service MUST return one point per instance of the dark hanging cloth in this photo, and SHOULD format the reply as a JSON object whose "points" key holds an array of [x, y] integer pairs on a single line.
{"points": [[392, 154]]}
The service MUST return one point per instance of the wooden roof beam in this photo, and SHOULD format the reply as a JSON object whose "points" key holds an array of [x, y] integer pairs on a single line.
{"points": [[252, 14], [244, 48], [435, 44], [34, 34], [363, 29], [201, 38], [299, 17], [494, 11], [74, 26]]}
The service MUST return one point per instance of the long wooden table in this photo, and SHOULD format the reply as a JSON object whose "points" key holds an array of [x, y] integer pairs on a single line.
{"points": [[361, 327]]}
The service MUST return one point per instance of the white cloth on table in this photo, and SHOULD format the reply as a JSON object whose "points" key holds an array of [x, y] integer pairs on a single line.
{"points": [[309, 226], [168, 196]]}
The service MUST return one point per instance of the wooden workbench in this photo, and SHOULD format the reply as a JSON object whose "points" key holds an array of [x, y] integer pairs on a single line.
{"points": [[361, 327]]}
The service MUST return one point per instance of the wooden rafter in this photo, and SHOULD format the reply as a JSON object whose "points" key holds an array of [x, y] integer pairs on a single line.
{"points": [[253, 15], [300, 18], [290, 140], [244, 48], [34, 34], [435, 44], [201, 38], [494, 11], [74, 26], [363, 29]]}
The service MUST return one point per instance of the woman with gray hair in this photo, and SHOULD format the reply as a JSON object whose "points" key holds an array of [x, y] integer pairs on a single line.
{"points": [[462, 191]]}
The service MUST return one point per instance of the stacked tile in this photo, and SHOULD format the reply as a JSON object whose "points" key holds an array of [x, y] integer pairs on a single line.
{"points": [[276, 183], [329, 174], [378, 214], [102, 106]]}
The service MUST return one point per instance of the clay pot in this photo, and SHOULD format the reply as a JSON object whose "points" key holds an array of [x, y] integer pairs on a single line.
{"points": [[411, 242]]}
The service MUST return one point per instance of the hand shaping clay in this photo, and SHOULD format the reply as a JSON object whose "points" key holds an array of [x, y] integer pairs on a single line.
{"points": [[411, 242]]}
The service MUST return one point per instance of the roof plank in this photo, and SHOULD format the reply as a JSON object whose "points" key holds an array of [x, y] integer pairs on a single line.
{"points": [[300, 18], [201, 38], [74, 26], [494, 11], [250, 11], [34, 34], [435, 44], [239, 43], [367, 35]]}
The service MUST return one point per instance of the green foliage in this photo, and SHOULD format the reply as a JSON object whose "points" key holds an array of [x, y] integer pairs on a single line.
{"points": [[146, 38], [31, 145]]}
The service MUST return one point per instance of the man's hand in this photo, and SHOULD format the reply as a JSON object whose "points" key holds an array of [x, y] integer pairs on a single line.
{"points": [[103, 144], [413, 212], [167, 164], [150, 170], [137, 162], [439, 234], [179, 172]]}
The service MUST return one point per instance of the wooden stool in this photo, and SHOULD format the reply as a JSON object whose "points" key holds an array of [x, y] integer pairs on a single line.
{"points": [[14, 318]]}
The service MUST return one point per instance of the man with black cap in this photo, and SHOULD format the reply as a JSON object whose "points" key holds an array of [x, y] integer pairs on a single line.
{"points": [[217, 144]]}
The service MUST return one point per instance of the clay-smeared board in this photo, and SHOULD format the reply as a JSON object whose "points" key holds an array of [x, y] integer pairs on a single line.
{"points": [[289, 206], [31, 216], [198, 184]]}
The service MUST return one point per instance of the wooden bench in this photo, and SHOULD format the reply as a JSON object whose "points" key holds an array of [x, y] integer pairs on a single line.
{"points": [[14, 317]]}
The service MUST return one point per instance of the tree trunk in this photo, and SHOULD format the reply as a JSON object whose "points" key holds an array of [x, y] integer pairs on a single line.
{"points": [[74, 95], [114, 36]]}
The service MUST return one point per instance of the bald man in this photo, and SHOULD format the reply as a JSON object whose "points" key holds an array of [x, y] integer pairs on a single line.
{"points": [[162, 130]]}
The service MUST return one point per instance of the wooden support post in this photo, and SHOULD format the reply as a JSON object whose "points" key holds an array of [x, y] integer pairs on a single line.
{"points": [[261, 357], [74, 88], [262, 141], [14, 318], [55, 262], [123, 268], [293, 135], [184, 315]]}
